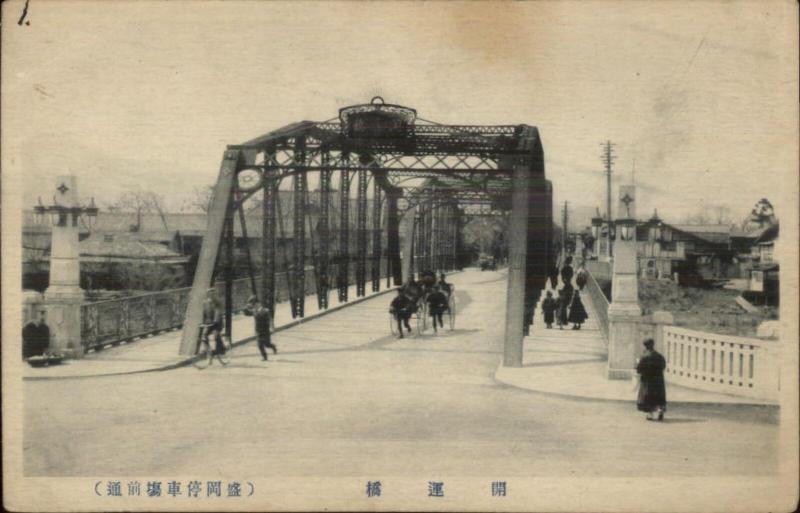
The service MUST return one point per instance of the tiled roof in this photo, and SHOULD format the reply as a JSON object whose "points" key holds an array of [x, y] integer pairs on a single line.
{"points": [[714, 233], [747, 234], [192, 223], [125, 246]]}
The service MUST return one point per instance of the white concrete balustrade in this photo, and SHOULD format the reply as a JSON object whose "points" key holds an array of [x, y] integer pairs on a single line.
{"points": [[741, 366]]}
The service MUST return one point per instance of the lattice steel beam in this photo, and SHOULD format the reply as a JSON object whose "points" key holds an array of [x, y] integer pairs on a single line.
{"points": [[429, 239], [376, 236], [229, 274], [323, 229], [299, 235], [361, 233], [344, 234], [250, 267], [268, 245]]}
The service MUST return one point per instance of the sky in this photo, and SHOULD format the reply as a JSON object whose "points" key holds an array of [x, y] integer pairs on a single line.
{"points": [[701, 99]]}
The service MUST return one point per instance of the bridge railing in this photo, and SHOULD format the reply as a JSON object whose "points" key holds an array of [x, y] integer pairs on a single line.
{"points": [[116, 320], [598, 269], [741, 366], [598, 299]]}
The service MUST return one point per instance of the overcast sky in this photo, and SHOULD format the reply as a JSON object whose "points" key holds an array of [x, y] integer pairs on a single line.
{"points": [[147, 94]]}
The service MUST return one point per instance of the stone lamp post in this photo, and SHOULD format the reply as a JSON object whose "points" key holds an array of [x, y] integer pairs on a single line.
{"points": [[624, 312], [64, 295]]}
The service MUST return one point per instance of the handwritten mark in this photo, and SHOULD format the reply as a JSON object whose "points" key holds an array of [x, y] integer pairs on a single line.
{"points": [[41, 90], [24, 14]]}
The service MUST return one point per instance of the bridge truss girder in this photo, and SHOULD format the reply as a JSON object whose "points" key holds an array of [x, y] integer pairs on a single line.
{"points": [[467, 165]]}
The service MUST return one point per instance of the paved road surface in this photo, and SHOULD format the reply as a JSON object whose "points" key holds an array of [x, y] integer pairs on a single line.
{"points": [[344, 398]]}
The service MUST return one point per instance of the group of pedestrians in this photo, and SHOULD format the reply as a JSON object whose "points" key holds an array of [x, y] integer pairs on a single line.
{"points": [[567, 307]]}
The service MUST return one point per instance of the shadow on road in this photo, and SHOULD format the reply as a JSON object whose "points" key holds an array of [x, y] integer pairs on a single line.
{"points": [[564, 362], [682, 421]]}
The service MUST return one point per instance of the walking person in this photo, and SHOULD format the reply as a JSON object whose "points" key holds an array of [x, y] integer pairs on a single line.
{"points": [[549, 306], [402, 307], [577, 312], [652, 398], [437, 304], [563, 304], [446, 288], [552, 273], [580, 278], [413, 289], [567, 272], [212, 326], [263, 320]]}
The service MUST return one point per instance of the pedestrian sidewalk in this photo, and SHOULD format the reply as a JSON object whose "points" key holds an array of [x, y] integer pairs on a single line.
{"points": [[160, 352], [572, 363]]}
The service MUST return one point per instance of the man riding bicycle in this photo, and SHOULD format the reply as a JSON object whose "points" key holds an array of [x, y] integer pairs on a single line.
{"points": [[212, 325]]}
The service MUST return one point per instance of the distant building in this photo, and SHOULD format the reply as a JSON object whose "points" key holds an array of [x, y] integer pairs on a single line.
{"points": [[765, 270], [173, 240], [705, 251]]}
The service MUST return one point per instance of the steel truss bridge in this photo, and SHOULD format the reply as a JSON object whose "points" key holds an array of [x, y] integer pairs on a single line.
{"points": [[409, 175]]}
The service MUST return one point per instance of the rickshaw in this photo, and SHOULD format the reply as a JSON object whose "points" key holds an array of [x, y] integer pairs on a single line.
{"points": [[419, 317], [487, 263], [429, 282]]}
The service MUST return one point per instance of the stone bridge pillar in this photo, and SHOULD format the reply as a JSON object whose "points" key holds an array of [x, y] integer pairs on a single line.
{"points": [[64, 295], [624, 312]]}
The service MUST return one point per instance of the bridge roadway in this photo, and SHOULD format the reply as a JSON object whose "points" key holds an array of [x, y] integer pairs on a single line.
{"points": [[343, 397]]}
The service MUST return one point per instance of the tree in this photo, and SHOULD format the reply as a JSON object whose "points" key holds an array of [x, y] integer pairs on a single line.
{"points": [[762, 215], [139, 201], [718, 214], [487, 235], [722, 215], [200, 200]]}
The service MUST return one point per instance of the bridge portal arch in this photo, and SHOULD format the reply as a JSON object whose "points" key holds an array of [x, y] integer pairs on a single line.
{"points": [[369, 168]]}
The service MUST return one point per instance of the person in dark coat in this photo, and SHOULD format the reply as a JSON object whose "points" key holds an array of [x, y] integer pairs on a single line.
{"points": [[562, 306], [437, 305], [652, 397], [413, 289], [428, 281], [212, 326], [580, 279], [577, 313], [36, 337], [263, 320], [553, 275], [402, 307], [444, 286], [566, 272], [549, 306]]}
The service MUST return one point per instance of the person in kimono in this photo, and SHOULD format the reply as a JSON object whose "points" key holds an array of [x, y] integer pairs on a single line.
{"points": [[549, 306], [577, 312], [652, 398]]}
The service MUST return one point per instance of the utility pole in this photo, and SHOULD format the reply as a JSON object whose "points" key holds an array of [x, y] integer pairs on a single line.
{"points": [[564, 232], [608, 158]]}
